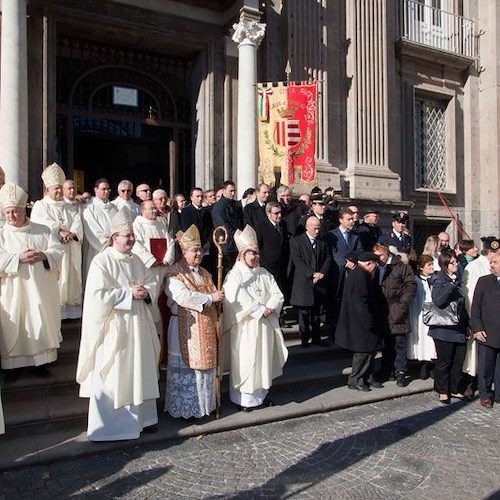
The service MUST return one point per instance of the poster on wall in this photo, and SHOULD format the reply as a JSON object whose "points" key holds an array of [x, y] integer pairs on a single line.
{"points": [[287, 128]]}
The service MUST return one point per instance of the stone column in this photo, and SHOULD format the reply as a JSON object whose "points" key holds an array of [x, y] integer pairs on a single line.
{"points": [[248, 34], [14, 93]]}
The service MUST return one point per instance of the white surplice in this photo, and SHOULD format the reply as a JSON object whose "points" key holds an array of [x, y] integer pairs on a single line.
{"points": [[57, 215], [96, 218], [119, 350], [30, 312], [257, 349], [420, 346], [132, 206]]}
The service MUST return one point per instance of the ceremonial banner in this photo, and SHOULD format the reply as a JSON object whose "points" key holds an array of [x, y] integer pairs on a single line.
{"points": [[287, 126]]}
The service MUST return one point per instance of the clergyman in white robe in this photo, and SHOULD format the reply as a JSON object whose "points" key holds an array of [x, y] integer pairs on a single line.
{"points": [[257, 349], [96, 219], [30, 312], [58, 215], [118, 358]]}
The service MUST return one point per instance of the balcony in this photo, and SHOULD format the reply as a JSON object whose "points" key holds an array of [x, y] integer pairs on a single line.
{"points": [[429, 27]]}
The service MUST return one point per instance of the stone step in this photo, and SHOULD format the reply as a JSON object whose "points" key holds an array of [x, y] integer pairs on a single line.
{"points": [[30, 400]]}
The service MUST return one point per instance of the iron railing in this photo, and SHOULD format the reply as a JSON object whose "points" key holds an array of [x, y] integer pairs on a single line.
{"points": [[436, 28]]}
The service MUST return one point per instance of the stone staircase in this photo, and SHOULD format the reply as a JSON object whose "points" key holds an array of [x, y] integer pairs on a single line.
{"points": [[31, 400]]}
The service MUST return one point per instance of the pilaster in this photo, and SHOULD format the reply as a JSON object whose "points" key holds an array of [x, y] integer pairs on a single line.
{"points": [[368, 174]]}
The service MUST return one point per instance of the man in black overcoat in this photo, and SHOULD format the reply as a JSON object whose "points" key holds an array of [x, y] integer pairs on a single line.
{"points": [[359, 328], [273, 242], [485, 321], [311, 261]]}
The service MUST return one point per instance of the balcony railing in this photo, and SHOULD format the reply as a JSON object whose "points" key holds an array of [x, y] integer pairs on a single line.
{"points": [[433, 27]]}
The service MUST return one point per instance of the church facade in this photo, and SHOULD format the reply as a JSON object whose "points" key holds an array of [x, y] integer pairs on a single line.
{"points": [[164, 92]]}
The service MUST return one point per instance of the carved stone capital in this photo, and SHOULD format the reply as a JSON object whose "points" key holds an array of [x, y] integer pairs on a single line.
{"points": [[250, 31]]}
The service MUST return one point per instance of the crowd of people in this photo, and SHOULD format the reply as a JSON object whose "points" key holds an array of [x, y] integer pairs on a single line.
{"points": [[156, 290]]}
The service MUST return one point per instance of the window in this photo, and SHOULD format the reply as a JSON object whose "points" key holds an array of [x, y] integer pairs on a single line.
{"points": [[430, 143]]}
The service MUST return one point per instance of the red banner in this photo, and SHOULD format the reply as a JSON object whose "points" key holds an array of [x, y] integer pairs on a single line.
{"points": [[287, 132]]}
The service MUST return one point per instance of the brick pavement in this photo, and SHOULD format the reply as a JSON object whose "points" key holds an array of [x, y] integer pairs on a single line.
{"points": [[411, 447]]}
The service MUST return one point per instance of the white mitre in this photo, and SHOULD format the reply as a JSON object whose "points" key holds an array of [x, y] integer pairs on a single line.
{"points": [[121, 221], [11, 195], [53, 175], [246, 239]]}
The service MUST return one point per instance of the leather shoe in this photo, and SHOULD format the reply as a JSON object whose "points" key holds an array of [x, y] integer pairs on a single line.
{"points": [[267, 403], [486, 403], [305, 345], [401, 379], [376, 384], [360, 387]]}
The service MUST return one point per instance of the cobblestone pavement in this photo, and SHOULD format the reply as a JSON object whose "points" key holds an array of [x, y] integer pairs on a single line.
{"points": [[410, 447]]}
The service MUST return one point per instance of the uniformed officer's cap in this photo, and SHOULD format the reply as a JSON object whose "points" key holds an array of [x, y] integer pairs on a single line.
{"points": [[370, 211], [318, 198], [490, 243], [401, 217]]}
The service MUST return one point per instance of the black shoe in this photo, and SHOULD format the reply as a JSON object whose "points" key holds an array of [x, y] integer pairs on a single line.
{"points": [[150, 429], [10, 376], [375, 384], [267, 403], [401, 379], [321, 343], [305, 345], [359, 387], [245, 409]]}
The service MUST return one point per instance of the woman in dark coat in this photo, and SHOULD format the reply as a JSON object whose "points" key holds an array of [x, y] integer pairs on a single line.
{"points": [[360, 326], [450, 341]]}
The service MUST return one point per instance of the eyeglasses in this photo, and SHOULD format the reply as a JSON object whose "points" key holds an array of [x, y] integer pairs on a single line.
{"points": [[253, 252], [276, 213], [125, 190], [144, 190]]}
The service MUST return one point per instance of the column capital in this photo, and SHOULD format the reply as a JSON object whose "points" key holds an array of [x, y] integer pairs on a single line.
{"points": [[248, 31]]}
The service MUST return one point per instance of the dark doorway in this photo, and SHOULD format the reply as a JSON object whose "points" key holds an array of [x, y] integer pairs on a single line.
{"points": [[122, 150]]}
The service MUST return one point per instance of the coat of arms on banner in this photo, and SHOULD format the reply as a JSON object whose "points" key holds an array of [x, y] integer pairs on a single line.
{"points": [[286, 133]]}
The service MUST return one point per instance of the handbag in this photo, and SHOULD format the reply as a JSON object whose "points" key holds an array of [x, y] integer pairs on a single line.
{"points": [[432, 315]]}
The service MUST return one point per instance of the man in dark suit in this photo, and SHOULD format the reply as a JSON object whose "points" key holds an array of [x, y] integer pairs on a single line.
{"points": [[311, 261], [255, 212], [343, 244], [196, 214], [368, 230], [318, 209], [288, 210], [398, 237], [486, 327], [273, 243], [226, 212]]}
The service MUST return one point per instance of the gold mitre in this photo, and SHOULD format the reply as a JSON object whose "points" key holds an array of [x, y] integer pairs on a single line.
{"points": [[53, 175], [121, 221], [2, 175], [11, 195], [189, 238], [246, 239]]}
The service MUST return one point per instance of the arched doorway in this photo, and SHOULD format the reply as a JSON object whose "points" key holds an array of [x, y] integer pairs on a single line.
{"points": [[123, 114]]}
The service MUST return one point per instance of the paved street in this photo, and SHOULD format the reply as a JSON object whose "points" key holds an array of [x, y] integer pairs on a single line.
{"points": [[411, 447]]}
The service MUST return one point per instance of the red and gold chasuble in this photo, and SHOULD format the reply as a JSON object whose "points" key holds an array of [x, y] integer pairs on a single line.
{"points": [[197, 330]]}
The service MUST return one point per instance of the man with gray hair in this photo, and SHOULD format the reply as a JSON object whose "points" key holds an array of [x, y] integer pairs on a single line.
{"points": [[124, 198]]}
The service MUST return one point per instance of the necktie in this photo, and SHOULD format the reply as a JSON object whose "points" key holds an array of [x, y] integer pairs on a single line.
{"points": [[313, 243], [346, 237]]}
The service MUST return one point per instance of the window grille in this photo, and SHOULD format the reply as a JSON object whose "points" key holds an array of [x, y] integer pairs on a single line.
{"points": [[430, 143]]}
